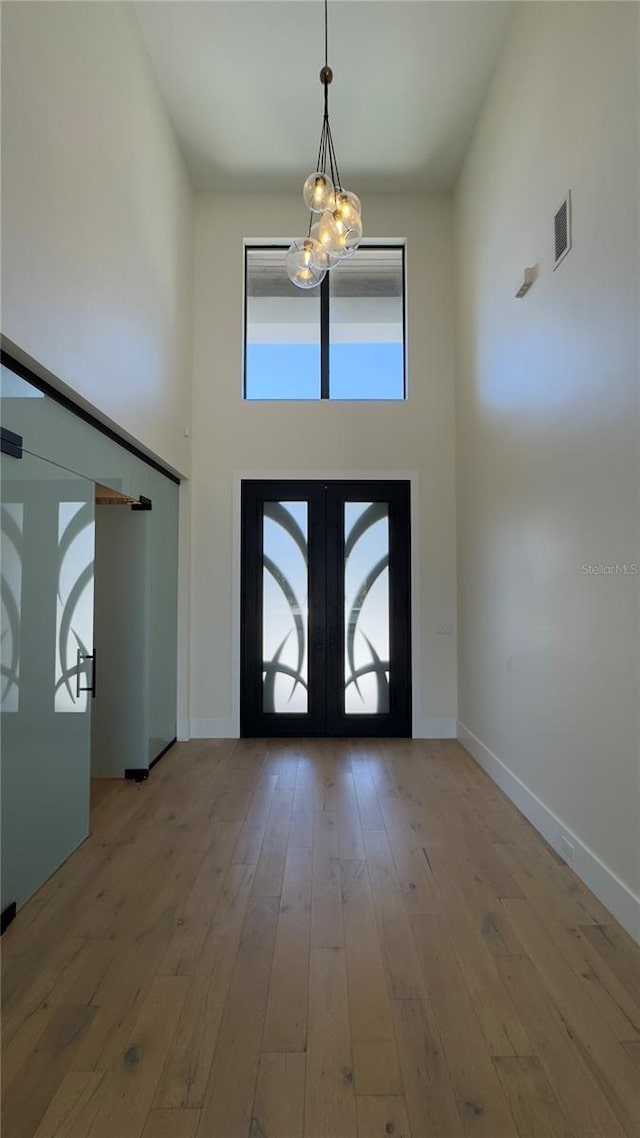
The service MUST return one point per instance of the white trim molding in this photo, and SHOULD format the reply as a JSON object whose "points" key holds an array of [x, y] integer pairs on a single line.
{"points": [[621, 901]]}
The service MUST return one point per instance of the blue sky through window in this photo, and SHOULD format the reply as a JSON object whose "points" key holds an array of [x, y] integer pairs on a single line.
{"points": [[356, 371]]}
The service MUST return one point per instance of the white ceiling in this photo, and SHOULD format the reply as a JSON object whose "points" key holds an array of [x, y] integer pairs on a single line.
{"points": [[240, 80]]}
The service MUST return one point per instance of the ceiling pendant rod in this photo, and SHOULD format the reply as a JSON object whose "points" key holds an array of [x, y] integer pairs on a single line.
{"points": [[334, 161], [321, 165]]}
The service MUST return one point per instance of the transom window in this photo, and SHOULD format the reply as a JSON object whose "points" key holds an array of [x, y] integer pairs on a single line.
{"points": [[342, 340]]}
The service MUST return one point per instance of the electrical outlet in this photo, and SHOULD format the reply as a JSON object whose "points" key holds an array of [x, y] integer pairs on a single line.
{"points": [[567, 847], [445, 629]]}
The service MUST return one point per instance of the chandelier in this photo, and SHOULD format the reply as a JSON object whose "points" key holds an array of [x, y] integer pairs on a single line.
{"points": [[335, 214]]}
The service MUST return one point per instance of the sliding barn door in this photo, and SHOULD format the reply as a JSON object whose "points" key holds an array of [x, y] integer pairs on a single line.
{"points": [[48, 668]]}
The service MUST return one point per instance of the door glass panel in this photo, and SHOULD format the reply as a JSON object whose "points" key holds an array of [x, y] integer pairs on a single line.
{"points": [[74, 611], [366, 614], [285, 610]]}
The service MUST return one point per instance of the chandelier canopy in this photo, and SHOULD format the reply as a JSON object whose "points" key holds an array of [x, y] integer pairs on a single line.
{"points": [[335, 214]]}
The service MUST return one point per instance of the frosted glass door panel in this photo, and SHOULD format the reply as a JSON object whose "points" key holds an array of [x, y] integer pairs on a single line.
{"points": [[47, 642], [366, 612], [285, 607]]}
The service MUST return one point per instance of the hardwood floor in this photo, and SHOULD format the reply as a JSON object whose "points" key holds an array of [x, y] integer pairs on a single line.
{"points": [[328, 939]]}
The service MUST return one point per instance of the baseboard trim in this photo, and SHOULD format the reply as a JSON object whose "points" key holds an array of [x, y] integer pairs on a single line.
{"points": [[617, 897], [183, 730], [431, 728], [214, 729]]}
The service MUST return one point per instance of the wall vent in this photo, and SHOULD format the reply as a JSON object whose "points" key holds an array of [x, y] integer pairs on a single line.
{"points": [[562, 230]]}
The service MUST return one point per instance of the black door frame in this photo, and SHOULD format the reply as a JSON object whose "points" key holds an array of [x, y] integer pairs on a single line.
{"points": [[326, 608]]}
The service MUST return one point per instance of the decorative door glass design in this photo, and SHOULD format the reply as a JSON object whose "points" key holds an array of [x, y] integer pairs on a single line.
{"points": [[74, 609], [366, 608], [12, 531], [285, 607]]}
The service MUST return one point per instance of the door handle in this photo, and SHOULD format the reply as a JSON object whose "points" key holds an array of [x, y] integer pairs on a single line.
{"points": [[86, 656]]}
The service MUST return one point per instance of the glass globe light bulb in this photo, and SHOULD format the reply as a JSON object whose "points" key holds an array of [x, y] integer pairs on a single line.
{"points": [[348, 227], [331, 236], [318, 192], [335, 251], [342, 243], [349, 204], [323, 243], [342, 224], [327, 232], [302, 269]]}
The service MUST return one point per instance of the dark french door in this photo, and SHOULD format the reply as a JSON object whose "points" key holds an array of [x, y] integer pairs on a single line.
{"points": [[326, 610]]}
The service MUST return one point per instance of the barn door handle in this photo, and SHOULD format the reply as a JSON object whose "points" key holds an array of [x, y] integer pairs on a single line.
{"points": [[86, 656]]}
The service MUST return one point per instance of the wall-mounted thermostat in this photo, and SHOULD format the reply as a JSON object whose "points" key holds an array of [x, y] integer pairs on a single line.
{"points": [[530, 275]]}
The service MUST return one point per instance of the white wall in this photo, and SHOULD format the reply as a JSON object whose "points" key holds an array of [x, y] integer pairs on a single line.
{"points": [[547, 418], [96, 218], [317, 439]]}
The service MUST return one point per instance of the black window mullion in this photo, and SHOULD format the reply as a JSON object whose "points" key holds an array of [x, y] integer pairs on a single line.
{"points": [[324, 338], [404, 322], [245, 306]]}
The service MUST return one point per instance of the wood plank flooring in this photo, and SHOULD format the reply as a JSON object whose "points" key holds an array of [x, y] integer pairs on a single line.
{"points": [[327, 939]]}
